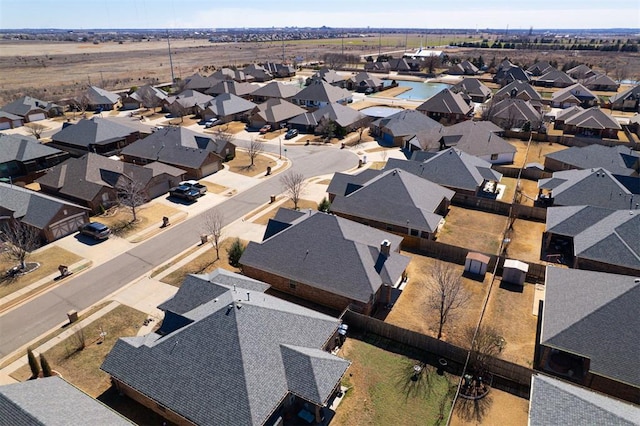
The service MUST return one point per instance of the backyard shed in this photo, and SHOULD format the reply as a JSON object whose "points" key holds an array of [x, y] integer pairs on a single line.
{"points": [[476, 263], [514, 271]]}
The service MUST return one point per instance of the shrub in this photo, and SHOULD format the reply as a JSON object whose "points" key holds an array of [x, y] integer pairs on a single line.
{"points": [[325, 205], [46, 368], [234, 252], [33, 364]]}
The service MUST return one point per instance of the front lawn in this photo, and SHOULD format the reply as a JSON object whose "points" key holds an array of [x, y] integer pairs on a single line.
{"points": [[241, 164], [119, 219]]}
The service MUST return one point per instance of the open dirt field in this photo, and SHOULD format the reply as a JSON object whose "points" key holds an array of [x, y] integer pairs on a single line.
{"points": [[472, 229]]}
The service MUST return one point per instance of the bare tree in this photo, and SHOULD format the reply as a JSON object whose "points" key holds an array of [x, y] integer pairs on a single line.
{"points": [[35, 129], [486, 343], [149, 99], [177, 110], [222, 138], [335, 61], [213, 223], [21, 239], [131, 194], [254, 149], [326, 128], [294, 186], [445, 292], [430, 63]]}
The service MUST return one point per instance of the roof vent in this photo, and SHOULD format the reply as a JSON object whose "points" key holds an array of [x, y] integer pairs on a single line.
{"points": [[248, 296], [385, 247]]}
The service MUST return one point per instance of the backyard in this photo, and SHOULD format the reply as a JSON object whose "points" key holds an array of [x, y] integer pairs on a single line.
{"points": [[497, 408], [537, 151], [381, 391], [473, 230], [526, 240], [241, 164]]}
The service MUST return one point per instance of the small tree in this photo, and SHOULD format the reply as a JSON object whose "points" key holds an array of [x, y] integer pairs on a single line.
{"points": [[33, 364], [485, 344], [35, 129], [46, 368], [446, 293], [222, 138], [326, 128], [213, 223], [131, 194], [254, 149], [324, 205], [234, 252], [293, 185], [21, 239]]}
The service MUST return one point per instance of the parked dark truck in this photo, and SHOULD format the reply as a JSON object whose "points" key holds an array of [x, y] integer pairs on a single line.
{"points": [[184, 192], [194, 184]]}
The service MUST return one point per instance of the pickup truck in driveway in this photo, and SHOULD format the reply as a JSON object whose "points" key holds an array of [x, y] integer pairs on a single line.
{"points": [[194, 184], [184, 192]]}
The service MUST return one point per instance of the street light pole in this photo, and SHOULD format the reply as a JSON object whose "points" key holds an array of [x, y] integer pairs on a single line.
{"points": [[280, 144]]}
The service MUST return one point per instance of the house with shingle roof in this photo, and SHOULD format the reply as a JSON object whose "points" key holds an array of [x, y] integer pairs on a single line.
{"points": [[601, 82], [364, 82], [197, 154], [599, 239], [298, 246], [574, 95], [558, 402], [477, 138], [508, 72], [397, 128], [446, 107], [518, 90], [258, 72], [540, 68], [52, 217], [619, 160], [274, 89], [53, 401], [320, 93], [385, 67], [629, 100], [393, 200], [463, 68], [593, 187], [98, 99], [348, 119], [274, 111], [227, 107], [146, 96], [553, 78], [31, 109], [590, 329], [96, 134], [472, 89], [10, 121], [186, 102], [229, 354], [280, 70], [93, 181], [592, 122], [240, 89], [580, 72], [231, 74], [22, 155], [199, 83], [329, 76], [514, 113], [453, 169]]}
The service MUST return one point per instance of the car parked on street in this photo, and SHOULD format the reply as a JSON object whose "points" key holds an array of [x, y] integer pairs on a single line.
{"points": [[265, 129], [194, 184], [184, 192], [95, 230], [291, 133], [213, 122]]}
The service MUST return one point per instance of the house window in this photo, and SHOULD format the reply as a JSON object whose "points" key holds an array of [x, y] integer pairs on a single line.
{"points": [[292, 284], [494, 156], [414, 232]]}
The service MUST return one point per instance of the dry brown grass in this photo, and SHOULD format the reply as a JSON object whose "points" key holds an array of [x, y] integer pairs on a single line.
{"points": [[526, 240], [187, 120], [274, 134], [302, 205], [206, 262], [214, 187], [119, 219], [232, 127], [528, 187], [49, 260], [497, 408], [241, 164], [82, 367], [472, 229], [537, 151]]}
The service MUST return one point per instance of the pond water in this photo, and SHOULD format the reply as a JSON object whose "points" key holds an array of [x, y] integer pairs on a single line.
{"points": [[420, 90]]}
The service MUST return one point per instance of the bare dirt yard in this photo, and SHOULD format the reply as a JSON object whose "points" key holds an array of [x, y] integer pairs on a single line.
{"points": [[241, 164], [119, 218], [526, 240], [495, 409], [537, 151], [473, 229]]}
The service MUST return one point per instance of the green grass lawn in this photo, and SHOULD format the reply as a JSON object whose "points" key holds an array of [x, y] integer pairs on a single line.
{"points": [[381, 391]]}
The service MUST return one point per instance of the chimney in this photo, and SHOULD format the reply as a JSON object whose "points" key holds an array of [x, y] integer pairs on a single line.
{"points": [[248, 296], [385, 248]]}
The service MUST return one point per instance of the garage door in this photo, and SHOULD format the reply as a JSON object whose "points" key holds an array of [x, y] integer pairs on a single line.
{"points": [[210, 168], [5, 125], [37, 117], [159, 189], [67, 226]]}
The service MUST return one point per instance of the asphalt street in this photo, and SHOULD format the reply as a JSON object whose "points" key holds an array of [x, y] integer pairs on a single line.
{"points": [[27, 322]]}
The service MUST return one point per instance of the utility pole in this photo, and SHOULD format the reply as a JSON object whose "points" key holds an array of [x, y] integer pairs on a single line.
{"points": [[173, 77], [102, 78], [379, 43], [406, 36], [283, 48]]}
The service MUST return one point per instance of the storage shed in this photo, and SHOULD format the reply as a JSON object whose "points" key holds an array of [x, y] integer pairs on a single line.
{"points": [[514, 271], [476, 263]]}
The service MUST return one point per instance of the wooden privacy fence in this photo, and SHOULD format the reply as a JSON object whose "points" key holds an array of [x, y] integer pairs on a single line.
{"points": [[499, 207]]}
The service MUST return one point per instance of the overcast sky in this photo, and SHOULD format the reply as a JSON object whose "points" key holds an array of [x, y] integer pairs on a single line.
{"points": [[515, 14]]}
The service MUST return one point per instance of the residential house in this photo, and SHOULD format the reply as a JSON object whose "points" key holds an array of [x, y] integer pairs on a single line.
{"points": [[446, 107], [619, 160], [186, 102], [274, 89], [54, 401], [229, 354], [519, 90], [392, 200], [231, 74], [240, 89], [197, 154], [601, 82], [634, 124], [96, 134], [279, 70], [554, 78], [23, 156], [31, 109], [629, 100], [96, 182], [274, 111], [397, 128], [508, 73], [320, 93], [580, 72], [472, 89], [346, 119], [97, 99], [199, 83], [558, 402], [385, 67], [298, 256], [593, 187], [574, 95], [52, 217], [477, 138], [146, 96], [258, 72], [589, 331], [464, 68], [463, 173], [329, 76], [423, 53], [595, 238], [228, 107], [365, 83], [514, 113], [10, 121], [540, 68], [592, 122]]}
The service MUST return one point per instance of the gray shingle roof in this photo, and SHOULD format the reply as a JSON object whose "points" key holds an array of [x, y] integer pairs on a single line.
{"points": [[515, 110], [630, 93], [321, 91], [198, 82], [228, 104], [395, 197], [97, 96], [302, 251], [93, 131], [580, 71], [236, 360], [472, 87], [22, 106], [599, 80], [23, 149], [406, 123], [618, 160], [341, 114], [594, 315], [451, 168], [276, 89], [555, 76], [576, 91], [593, 118], [233, 87], [519, 87], [540, 68], [52, 401], [149, 96], [603, 235], [555, 402], [276, 110], [446, 102], [189, 98]]}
